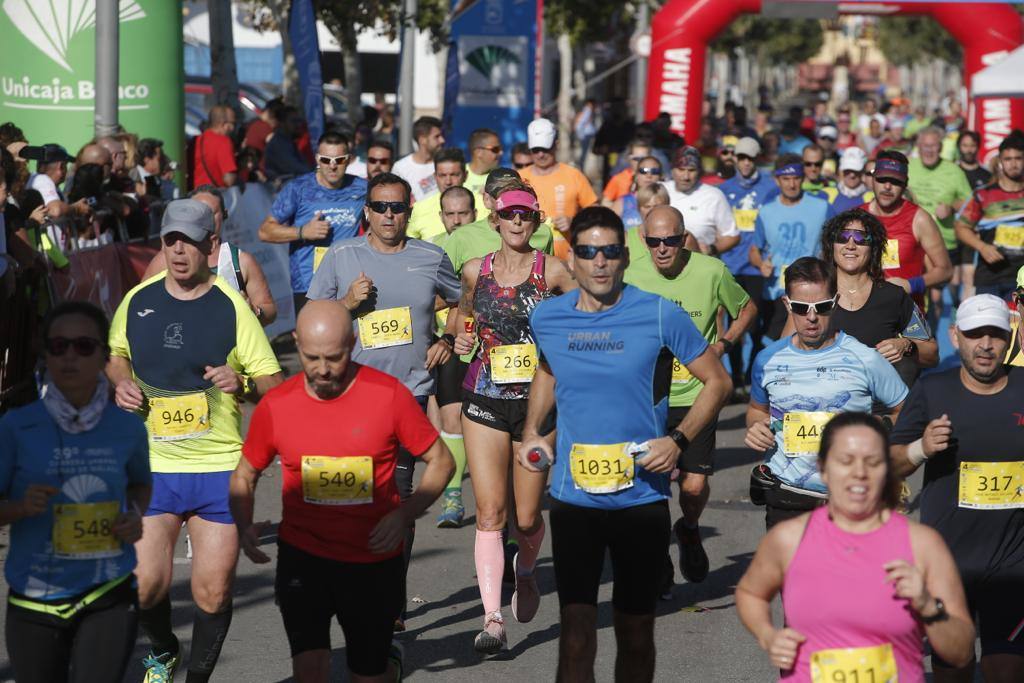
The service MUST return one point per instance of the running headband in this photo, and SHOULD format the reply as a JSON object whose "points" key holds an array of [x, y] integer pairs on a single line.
{"points": [[790, 170], [687, 157], [517, 198], [891, 168]]}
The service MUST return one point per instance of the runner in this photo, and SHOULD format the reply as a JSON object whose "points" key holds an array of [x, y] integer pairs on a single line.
{"points": [[700, 285], [496, 388], [787, 228], [390, 283], [705, 209], [449, 171], [963, 425], [484, 156], [967, 146], [623, 182], [862, 585], [315, 210], [800, 383], [992, 222], [340, 539], [417, 168], [1015, 353], [647, 173], [851, 191], [598, 355], [815, 184], [71, 462], [184, 347]]}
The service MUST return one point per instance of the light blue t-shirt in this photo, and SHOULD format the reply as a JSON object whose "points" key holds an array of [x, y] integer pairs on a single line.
{"points": [[786, 233], [844, 377], [609, 385], [94, 466], [299, 201]]}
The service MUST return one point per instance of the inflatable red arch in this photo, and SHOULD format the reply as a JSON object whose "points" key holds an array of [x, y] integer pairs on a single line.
{"points": [[682, 29]]}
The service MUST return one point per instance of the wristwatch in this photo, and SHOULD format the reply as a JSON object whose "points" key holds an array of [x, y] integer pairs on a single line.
{"points": [[679, 439], [727, 345], [940, 613]]}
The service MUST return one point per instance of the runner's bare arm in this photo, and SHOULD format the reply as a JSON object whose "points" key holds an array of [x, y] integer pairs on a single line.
{"points": [[127, 394], [158, 264], [241, 498], [464, 340], [759, 432], [928, 235], [558, 276], [265, 383], [724, 244], [742, 323], [257, 289], [539, 406]]}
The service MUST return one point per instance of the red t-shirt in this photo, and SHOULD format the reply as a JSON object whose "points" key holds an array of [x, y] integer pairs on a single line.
{"points": [[218, 153], [257, 134], [346, 443], [909, 262]]}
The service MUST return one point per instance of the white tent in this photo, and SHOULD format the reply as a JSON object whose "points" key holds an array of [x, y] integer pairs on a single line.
{"points": [[1002, 79]]}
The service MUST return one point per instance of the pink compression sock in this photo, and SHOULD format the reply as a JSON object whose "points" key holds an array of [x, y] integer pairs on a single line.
{"points": [[529, 548], [490, 564]]}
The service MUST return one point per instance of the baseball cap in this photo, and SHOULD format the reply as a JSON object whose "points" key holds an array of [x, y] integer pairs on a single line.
{"points": [[516, 198], [46, 154], [829, 132], [496, 176], [853, 159], [748, 147], [686, 156], [983, 310], [890, 168], [541, 133], [189, 217], [729, 141]]}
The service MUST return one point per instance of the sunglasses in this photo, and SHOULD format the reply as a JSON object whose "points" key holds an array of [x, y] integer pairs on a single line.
{"points": [[540, 150], [814, 164], [649, 170], [670, 241], [493, 150], [378, 160], [820, 307], [744, 157], [510, 213], [83, 346], [895, 182], [521, 166], [384, 207], [331, 161], [859, 237], [589, 252], [726, 153]]}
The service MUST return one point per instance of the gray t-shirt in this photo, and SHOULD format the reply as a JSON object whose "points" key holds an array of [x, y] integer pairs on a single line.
{"points": [[408, 278]]}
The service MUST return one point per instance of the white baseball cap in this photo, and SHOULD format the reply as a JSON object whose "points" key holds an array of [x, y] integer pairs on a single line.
{"points": [[853, 159], [541, 133], [983, 310], [748, 147], [829, 132]]}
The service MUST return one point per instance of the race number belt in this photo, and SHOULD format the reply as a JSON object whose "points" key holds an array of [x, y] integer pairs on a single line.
{"points": [[680, 374], [337, 481], [745, 219], [601, 468], [513, 363], [175, 418], [83, 531], [1009, 236], [318, 256], [891, 255], [854, 665], [991, 485], [389, 327], [801, 432]]}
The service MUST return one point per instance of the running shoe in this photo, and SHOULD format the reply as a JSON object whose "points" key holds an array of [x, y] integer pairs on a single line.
{"points": [[452, 510], [693, 561], [492, 639], [160, 669], [396, 656], [526, 599]]}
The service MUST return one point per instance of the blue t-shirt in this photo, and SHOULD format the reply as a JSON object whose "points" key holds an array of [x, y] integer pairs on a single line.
{"points": [[786, 233], [94, 466], [746, 196], [605, 368], [844, 377], [843, 203], [299, 201], [630, 211]]}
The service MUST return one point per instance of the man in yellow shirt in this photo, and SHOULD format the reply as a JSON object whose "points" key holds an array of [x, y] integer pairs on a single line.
{"points": [[449, 171]]}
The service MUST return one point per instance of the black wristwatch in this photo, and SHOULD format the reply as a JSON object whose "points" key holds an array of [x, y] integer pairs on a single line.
{"points": [[940, 613], [448, 339], [727, 345], [679, 439]]}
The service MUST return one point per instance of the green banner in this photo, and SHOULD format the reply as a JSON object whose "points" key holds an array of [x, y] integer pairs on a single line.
{"points": [[48, 70]]}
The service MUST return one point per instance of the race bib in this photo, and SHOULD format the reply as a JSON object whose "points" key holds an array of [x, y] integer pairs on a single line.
{"points": [[801, 432], [601, 468], [891, 255], [318, 256], [83, 531], [513, 363], [854, 665], [680, 375], [991, 485], [1009, 237], [176, 418], [390, 327], [337, 481], [745, 219]]}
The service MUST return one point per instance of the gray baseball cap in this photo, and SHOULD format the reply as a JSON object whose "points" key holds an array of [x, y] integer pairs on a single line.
{"points": [[189, 217]]}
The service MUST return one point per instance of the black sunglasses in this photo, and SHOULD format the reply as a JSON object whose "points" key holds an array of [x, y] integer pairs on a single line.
{"points": [[859, 237], [83, 346], [493, 150], [744, 157], [670, 241], [649, 170], [521, 166], [820, 307], [895, 182], [524, 214], [378, 160], [815, 164], [540, 150], [383, 207], [589, 252]]}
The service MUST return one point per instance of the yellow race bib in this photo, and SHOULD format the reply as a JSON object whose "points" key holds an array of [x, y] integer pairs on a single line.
{"points": [[82, 531], [176, 418], [854, 665], [680, 375], [991, 485], [318, 256], [1009, 236], [601, 468], [891, 255], [389, 327], [513, 363], [337, 481], [745, 219], [801, 432]]}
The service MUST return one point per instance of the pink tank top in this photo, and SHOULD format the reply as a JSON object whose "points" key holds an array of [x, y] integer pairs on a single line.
{"points": [[835, 594]]}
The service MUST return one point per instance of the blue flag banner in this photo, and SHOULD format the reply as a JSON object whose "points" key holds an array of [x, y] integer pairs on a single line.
{"points": [[306, 47]]}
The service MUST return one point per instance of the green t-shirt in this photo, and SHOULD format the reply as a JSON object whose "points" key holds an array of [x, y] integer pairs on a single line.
{"points": [[474, 183], [425, 220], [945, 184], [703, 286], [476, 240]]}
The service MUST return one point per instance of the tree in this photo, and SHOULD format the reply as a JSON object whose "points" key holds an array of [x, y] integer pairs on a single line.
{"points": [[772, 41], [906, 40]]}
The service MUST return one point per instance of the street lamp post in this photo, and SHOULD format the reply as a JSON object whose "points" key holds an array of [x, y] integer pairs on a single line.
{"points": [[107, 49], [406, 91]]}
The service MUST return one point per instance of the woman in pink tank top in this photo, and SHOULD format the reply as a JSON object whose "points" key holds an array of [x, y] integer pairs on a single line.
{"points": [[861, 585]]}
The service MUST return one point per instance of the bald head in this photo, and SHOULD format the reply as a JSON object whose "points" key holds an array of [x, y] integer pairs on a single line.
{"points": [[324, 321], [116, 150], [323, 336], [95, 154], [663, 221]]}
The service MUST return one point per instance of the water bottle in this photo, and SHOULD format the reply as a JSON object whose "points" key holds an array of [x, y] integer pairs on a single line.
{"points": [[539, 458]]}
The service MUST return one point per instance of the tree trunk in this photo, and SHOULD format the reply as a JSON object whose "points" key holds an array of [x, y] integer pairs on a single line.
{"points": [[290, 89], [223, 72], [565, 112], [353, 75]]}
